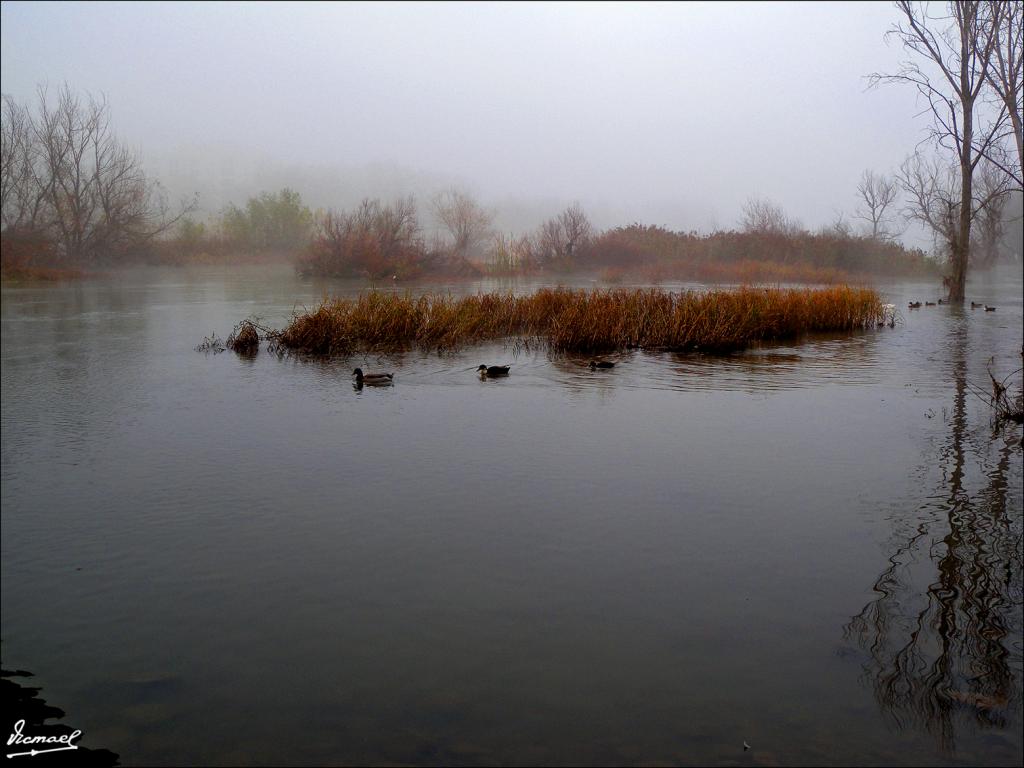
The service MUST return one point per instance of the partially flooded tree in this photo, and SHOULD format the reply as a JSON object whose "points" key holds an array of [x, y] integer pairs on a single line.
{"points": [[950, 66], [466, 221], [933, 198], [933, 191], [878, 194]]}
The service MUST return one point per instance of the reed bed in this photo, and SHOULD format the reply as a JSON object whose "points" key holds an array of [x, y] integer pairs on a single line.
{"points": [[576, 320]]}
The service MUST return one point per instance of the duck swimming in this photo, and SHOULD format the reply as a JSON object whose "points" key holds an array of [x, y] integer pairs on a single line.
{"points": [[493, 370], [372, 379], [595, 364]]}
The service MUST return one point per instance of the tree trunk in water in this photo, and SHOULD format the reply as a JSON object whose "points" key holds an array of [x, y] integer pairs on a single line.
{"points": [[958, 276], [960, 250], [961, 245]]}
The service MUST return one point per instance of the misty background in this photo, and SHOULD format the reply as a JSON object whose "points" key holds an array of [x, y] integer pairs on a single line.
{"points": [[671, 115]]}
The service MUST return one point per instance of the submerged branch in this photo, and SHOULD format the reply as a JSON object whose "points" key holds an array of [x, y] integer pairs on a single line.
{"points": [[1006, 407]]}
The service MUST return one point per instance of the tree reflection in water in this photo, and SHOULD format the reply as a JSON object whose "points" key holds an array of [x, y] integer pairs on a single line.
{"points": [[949, 654]]}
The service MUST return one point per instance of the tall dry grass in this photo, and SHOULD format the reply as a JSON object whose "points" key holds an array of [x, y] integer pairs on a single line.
{"points": [[576, 320]]}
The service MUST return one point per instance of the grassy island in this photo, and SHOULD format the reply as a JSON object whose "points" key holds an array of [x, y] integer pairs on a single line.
{"points": [[576, 320]]}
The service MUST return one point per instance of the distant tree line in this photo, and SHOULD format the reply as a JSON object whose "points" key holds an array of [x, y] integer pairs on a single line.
{"points": [[380, 240], [386, 239], [834, 249], [73, 195]]}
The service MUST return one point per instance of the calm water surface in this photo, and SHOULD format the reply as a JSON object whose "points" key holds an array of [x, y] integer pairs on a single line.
{"points": [[814, 548]]}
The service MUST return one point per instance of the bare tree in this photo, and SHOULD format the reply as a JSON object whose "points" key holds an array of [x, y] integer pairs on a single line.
{"points": [[375, 239], [509, 253], [563, 237], [958, 48], [763, 216], [396, 226], [932, 196], [839, 227], [1005, 75], [468, 224], [65, 134], [14, 131], [993, 187], [576, 229], [878, 193], [66, 173], [23, 195], [549, 242], [933, 191]]}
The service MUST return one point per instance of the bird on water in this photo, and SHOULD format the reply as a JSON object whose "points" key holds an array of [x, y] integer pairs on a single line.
{"points": [[490, 371], [373, 379]]}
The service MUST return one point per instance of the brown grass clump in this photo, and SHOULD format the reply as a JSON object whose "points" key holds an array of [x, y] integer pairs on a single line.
{"points": [[245, 338], [577, 321]]}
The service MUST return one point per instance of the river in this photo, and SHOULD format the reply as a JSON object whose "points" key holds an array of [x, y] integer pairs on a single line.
{"points": [[813, 548]]}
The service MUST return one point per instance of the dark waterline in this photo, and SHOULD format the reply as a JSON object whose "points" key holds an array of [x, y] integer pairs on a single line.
{"points": [[814, 548]]}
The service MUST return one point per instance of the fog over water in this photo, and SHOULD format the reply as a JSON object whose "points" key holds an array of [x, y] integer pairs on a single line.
{"points": [[690, 523], [668, 114]]}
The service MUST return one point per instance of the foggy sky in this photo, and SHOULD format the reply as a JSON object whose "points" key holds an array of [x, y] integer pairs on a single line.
{"points": [[670, 114]]}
